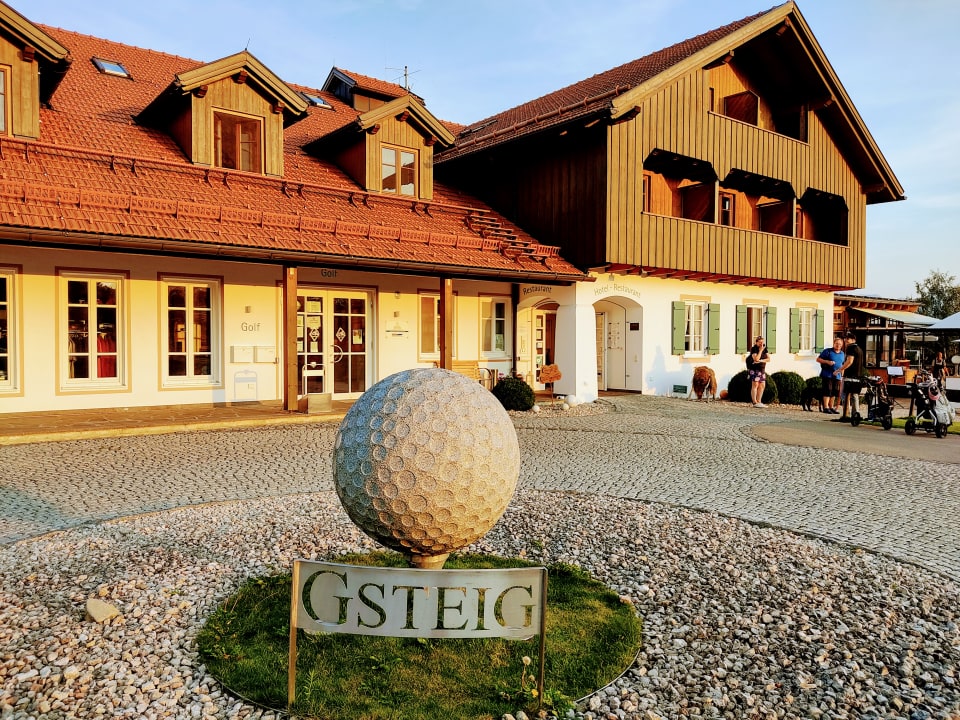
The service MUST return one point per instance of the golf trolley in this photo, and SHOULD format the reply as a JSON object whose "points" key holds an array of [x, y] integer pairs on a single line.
{"points": [[879, 406], [934, 412]]}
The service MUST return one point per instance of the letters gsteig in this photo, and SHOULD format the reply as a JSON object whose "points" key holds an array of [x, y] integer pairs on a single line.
{"points": [[402, 602]]}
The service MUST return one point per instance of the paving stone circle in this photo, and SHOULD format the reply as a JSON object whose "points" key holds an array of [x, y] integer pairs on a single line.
{"points": [[426, 461]]}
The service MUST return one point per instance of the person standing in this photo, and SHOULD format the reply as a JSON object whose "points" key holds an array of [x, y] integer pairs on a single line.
{"points": [[939, 371], [852, 372], [831, 362], [757, 371]]}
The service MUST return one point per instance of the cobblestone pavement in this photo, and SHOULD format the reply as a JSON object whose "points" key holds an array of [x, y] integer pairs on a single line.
{"points": [[702, 456]]}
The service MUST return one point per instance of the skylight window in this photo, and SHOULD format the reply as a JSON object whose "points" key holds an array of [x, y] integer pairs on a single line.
{"points": [[316, 100], [109, 67]]}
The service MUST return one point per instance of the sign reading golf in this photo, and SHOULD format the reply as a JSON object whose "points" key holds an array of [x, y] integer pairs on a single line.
{"points": [[401, 602]]}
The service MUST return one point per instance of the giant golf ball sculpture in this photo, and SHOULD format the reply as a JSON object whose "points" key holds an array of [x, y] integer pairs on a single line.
{"points": [[425, 463]]}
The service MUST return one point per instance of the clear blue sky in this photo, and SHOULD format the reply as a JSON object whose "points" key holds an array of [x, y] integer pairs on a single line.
{"points": [[897, 60]]}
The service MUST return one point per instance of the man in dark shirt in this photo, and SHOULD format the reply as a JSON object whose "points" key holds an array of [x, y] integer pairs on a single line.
{"points": [[852, 372]]}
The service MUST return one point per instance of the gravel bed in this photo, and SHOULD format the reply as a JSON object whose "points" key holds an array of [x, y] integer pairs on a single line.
{"points": [[740, 621]]}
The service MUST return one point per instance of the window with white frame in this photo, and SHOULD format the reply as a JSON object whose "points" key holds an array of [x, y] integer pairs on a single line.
{"points": [[237, 142], [756, 314], [754, 320], [694, 336], [8, 344], [755, 317], [398, 171], [695, 327], [4, 96], [92, 350], [191, 331], [807, 328], [493, 325], [430, 328]]}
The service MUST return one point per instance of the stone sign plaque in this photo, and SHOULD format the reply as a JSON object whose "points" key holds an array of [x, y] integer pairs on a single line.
{"points": [[405, 602]]}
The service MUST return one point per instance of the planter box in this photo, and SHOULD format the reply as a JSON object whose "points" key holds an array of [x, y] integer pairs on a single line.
{"points": [[316, 403]]}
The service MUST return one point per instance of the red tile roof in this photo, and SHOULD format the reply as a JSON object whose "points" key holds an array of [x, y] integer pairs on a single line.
{"points": [[381, 87], [98, 176], [587, 97]]}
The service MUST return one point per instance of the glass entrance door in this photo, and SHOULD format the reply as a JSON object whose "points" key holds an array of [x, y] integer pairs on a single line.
{"points": [[601, 351], [349, 343], [332, 342], [310, 342]]}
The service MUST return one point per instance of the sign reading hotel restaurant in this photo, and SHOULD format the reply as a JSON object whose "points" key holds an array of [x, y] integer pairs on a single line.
{"points": [[405, 602]]}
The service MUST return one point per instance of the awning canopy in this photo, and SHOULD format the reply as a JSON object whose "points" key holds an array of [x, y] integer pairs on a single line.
{"points": [[951, 322], [909, 319]]}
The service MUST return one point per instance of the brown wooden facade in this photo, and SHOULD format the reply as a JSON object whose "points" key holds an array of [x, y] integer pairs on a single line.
{"points": [[402, 124], [26, 51], [743, 163], [553, 187]]}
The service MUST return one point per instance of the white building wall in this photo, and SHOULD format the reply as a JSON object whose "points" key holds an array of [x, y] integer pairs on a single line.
{"points": [[248, 318], [249, 357], [642, 359]]}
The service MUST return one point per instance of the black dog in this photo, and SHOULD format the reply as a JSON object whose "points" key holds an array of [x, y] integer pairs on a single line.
{"points": [[812, 393]]}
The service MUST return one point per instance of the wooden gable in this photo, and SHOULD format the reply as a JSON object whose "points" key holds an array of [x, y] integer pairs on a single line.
{"points": [[778, 150], [735, 156], [778, 57], [238, 86], [31, 64], [760, 167], [403, 124]]}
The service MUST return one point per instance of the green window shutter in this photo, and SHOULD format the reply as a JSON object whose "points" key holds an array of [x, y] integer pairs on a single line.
{"points": [[820, 330], [742, 344], [794, 330], [713, 329], [771, 330], [679, 326]]}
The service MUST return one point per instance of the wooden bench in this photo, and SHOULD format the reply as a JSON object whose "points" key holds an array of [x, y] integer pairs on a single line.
{"points": [[472, 370]]}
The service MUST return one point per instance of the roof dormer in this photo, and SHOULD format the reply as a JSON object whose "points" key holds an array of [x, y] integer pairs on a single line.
{"points": [[389, 149], [31, 66], [229, 113], [361, 92]]}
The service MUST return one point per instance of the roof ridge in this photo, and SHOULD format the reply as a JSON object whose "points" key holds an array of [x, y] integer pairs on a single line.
{"points": [[87, 36], [719, 32]]}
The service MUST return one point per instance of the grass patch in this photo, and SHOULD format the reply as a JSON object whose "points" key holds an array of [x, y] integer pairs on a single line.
{"points": [[591, 638]]}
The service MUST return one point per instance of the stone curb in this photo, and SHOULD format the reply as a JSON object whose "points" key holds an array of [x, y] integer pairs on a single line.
{"points": [[166, 429]]}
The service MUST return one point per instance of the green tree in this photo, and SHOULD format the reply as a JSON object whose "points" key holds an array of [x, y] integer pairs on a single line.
{"points": [[938, 295]]}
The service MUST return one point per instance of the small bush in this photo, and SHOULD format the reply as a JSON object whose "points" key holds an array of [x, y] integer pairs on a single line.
{"points": [[514, 394], [789, 387], [738, 389]]}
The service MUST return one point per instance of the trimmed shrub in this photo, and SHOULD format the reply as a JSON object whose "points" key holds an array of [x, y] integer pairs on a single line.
{"points": [[514, 394], [789, 387], [738, 389]]}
